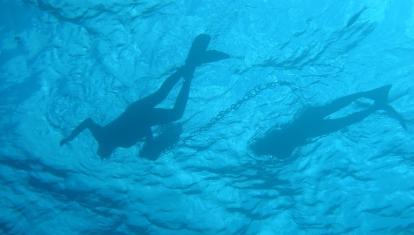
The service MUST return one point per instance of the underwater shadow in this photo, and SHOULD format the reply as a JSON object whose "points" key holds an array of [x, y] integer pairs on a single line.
{"points": [[135, 123], [315, 122]]}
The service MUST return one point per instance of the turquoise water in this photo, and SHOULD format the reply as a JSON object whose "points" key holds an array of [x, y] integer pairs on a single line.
{"points": [[64, 61]]}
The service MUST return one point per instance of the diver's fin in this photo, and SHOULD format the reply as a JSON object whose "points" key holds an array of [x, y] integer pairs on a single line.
{"points": [[213, 55], [380, 95], [199, 54], [394, 114], [198, 48]]}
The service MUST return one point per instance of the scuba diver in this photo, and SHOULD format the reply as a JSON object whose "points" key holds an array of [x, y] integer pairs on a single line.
{"points": [[314, 122], [135, 123]]}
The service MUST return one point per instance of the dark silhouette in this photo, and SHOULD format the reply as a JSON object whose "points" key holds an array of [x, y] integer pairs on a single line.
{"points": [[314, 122], [134, 124], [169, 136]]}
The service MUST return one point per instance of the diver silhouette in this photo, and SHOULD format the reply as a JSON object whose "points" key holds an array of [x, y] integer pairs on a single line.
{"points": [[135, 123], [314, 122]]}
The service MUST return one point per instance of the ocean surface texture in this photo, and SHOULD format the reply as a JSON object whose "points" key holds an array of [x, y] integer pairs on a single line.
{"points": [[307, 127]]}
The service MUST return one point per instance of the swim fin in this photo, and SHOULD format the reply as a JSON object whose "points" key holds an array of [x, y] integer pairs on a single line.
{"points": [[199, 54], [213, 55], [380, 95], [198, 48], [394, 114]]}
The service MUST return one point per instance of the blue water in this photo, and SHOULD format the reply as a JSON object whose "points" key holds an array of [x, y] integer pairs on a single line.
{"points": [[64, 61]]}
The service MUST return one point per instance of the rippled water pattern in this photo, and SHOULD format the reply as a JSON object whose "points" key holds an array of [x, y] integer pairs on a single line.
{"points": [[64, 61]]}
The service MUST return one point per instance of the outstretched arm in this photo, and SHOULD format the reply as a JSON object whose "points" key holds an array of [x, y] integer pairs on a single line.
{"points": [[86, 124]]}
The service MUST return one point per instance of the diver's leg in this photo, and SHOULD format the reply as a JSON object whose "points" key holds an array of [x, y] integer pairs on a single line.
{"points": [[162, 116], [337, 104], [181, 101], [379, 95], [86, 124], [158, 96], [331, 125]]}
